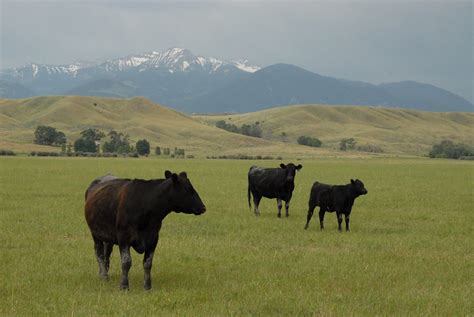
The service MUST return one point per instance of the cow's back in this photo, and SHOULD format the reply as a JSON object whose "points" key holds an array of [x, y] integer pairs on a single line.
{"points": [[101, 208], [264, 179], [320, 193], [99, 180]]}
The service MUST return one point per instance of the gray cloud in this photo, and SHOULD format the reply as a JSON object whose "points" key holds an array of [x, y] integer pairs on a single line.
{"points": [[361, 40]]}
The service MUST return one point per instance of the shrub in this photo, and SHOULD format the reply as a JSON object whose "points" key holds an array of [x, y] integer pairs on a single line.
{"points": [[449, 149], [369, 148], [309, 141], [7, 152], [346, 144]]}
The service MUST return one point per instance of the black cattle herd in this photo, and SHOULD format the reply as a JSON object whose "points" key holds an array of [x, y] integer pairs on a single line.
{"points": [[129, 212]]}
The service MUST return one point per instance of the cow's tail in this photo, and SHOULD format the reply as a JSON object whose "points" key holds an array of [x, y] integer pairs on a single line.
{"points": [[248, 195]]}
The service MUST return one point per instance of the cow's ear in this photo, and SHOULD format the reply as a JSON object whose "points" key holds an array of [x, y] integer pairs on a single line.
{"points": [[168, 174], [352, 182], [183, 174], [174, 178], [282, 165], [299, 167]]}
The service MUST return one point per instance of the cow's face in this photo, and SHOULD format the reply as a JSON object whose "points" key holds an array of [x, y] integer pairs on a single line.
{"points": [[290, 170], [358, 187], [183, 196]]}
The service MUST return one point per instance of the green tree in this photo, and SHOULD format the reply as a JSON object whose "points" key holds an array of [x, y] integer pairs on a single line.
{"points": [[83, 145], [46, 135], [158, 150], [92, 134], [143, 147], [118, 143], [309, 141]]}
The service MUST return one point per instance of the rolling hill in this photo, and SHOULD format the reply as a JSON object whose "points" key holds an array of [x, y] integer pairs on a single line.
{"points": [[138, 117], [397, 131]]}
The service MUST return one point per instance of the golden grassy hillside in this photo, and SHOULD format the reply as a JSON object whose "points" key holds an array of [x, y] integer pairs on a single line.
{"points": [[398, 131], [138, 117]]}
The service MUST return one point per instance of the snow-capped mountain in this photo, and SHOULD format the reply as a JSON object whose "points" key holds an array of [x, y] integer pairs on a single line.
{"points": [[182, 80], [172, 60], [176, 59]]}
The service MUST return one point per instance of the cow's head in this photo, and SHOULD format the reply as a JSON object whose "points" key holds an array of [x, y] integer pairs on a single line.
{"points": [[290, 170], [182, 195], [358, 187]]}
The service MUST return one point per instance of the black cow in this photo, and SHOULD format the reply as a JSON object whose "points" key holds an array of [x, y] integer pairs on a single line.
{"points": [[338, 198], [272, 183], [129, 213]]}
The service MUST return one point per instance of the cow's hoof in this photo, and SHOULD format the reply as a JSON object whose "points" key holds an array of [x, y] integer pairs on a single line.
{"points": [[124, 287], [104, 277], [279, 216]]}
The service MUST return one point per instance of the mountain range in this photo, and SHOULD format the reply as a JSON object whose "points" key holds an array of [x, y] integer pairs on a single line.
{"points": [[197, 84]]}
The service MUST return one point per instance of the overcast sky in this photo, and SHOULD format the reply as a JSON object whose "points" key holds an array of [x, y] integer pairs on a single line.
{"points": [[373, 41]]}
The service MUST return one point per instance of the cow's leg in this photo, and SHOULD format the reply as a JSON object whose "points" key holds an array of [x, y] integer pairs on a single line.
{"points": [[99, 254], [339, 221], [256, 202], [126, 260], [322, 211], [310, 214], [287, 206], [346, 217], [148, 261], [107, 252], [279, 203]]}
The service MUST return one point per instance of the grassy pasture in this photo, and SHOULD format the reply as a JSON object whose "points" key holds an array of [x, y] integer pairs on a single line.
{"points": [[410, 251]]}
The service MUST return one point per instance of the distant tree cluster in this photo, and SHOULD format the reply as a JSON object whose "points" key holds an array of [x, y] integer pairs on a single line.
{"points": [[246, 129], [46, 135], [118, 143], [89, 141], [449, 149], [347, 144], [309, 141], [177, 152]]}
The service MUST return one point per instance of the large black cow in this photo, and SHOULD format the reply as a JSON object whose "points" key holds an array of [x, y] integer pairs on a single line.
{"points": [[129, 213], [338, 198], [272, 183]]}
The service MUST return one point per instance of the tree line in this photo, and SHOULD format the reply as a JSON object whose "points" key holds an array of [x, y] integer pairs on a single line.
{"points": [[94, 140], [246, 129]]}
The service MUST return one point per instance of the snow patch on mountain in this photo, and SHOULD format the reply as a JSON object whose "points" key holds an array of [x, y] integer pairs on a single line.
{"points": [[174, 60]]}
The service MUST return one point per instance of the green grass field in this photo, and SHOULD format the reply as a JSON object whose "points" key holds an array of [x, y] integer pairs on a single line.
{"points": [[410, 251]]}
